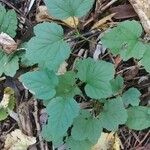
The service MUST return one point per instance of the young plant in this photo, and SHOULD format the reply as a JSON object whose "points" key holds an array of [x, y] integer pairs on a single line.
{"points": [[110, 106]]}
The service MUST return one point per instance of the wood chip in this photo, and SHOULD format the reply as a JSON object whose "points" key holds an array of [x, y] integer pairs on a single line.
{"points": [[142, 8]]}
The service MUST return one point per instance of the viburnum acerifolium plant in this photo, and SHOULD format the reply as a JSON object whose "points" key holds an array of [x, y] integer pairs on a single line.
{"points": [[110, 107]]}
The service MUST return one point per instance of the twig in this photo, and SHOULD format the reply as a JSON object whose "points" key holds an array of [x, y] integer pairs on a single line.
{"points": [[143, 139], [87, 34], [99, 12], [135, 136], [128, 68], [108, 5], [46, 146], [35, 114], [30, 6]]}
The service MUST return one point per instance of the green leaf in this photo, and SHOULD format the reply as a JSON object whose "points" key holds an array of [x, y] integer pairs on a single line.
{"points": [[146, 59], [46, 135], [3, 114], [12, 102], [25, 62], [113, 114], [9, 64], [78, 145], [96, 77], [131, 96], [48, 47], [2, 13], [8, 21], [138, 118], [124, 40], [61, 114], [85, 127], [117, 84], [62, 9], [67, 85], [41, 83]]}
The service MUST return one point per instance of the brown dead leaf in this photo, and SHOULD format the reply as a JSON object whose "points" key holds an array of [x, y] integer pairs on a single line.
{"points": [[123, 11], [102, 21], [7, 43], [42, 14], [72, 22], [62, 69], [108, 141], [117, 60], [8, 92], [16, 140], [142, 8]]}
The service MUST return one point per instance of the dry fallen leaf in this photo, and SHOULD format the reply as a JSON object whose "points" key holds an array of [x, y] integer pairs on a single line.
{"points": [[108, 141], [117, 60], [62, 69], [102, 21], [8, 92], [142, 8], [42, 14], [117, 142], [7, 43], [16, 140], [72, 22]]}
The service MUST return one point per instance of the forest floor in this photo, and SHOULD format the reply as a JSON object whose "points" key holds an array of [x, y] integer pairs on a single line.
{"points": [[107, 13]]}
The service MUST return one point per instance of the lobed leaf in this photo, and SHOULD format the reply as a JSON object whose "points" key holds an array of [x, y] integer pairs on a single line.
{"points": [[9, 64], [48, 137], [48, 48], [117, 84], [125, 40], [146, 59], [63, 9], [41, 83], [77, 145], [8, 21], [67, 85], [131, 96], [113, 114], [85, 127], [96, 77], [61, 114]]}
